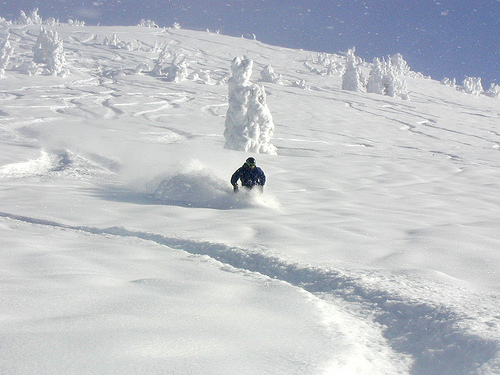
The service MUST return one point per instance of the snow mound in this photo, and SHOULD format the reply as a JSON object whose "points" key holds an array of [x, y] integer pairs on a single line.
{"points": [[39, 166], [56, 163]]}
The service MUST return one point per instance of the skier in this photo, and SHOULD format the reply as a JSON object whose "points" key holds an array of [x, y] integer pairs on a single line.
{"points": [[250, 175]]}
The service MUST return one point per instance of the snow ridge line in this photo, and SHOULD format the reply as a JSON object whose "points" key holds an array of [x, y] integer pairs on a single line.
{"points": [[431, 334]]}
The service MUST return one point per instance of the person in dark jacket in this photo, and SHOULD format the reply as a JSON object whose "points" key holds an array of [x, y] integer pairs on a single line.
{"points": [[250, 175]]}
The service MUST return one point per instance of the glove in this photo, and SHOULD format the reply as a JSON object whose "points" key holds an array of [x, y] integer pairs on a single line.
{"points": [[235, 188]]}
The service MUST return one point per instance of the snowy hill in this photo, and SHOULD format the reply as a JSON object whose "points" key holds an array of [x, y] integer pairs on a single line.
{"points": [[373, 250]]}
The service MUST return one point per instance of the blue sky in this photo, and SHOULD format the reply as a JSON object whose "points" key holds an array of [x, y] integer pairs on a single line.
{"points": [[446, 38]]}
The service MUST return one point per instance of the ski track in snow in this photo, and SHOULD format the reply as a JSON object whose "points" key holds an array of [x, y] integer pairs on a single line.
{"points": [[420, 329]]}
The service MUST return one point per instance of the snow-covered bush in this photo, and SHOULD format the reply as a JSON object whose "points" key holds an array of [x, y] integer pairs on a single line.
{"points": [[352, 79], [333, 68], [268, 75], [494, 91], [204, 77], [223, 79], [76, 23], [178, 69], [29, 68], [201, 76], [5, 54], [48, 50], [51, 21], [331, 64], [303, 84], [449, 82], [176, 26], [472, 85], [113, 42], [142, 67], [147, 23], [116, 42], [312, 69], [249, 125], [160, 61]]}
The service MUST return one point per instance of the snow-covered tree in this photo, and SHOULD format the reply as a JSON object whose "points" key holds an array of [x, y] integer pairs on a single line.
{"points": [[268, 75], [375, 82], [352, 78], [29, 68], [111, 42], [494, 91], [384, 79], [76, 23], [394, 86], [49, 50], [399, 65], [472, 85], [5, 54], [32, 19], [249, 125], [331, 63], [178, 69], [449, 82], [147, 23], [116, 42], [204, 76], [303, 84], [160, 61]]}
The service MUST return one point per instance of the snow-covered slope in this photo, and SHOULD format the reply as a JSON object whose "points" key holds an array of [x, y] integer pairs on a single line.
{"points": [[374, 249]]}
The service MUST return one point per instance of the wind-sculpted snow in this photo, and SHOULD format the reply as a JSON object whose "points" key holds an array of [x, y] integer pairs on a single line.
{"points": [[436, 337]]}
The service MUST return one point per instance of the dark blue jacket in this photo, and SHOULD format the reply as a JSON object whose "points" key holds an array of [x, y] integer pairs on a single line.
{"points": [[249, 176]]}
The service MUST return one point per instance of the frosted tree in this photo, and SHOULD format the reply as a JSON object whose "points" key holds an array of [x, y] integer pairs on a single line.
{"points": [[375, 82], [494, 91], [303, 84], [352, 79], [5, 54], [249, 125], [449, 82], [384, 79], [48, 50], [76, 23], [158, 67], [268, 75], [178, 70], [203, 76], [394, 86], [147, 23], [116, 42], [113, 42], [472, 85], [32, 19], [399, 65]]}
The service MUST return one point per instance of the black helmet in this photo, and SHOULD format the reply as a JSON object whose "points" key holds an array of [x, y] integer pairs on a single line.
{"points": [[250, 162]]}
